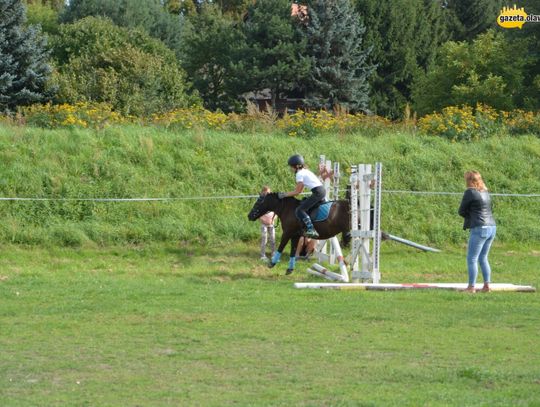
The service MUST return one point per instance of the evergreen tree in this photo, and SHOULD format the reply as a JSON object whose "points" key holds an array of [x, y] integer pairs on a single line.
{"points": [[339, 63], [210, 42], [24, 70], [404, 36], [272, 57], [468, 18]]}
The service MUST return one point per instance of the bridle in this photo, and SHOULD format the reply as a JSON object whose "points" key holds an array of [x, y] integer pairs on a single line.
{"points": [[261, 199]]}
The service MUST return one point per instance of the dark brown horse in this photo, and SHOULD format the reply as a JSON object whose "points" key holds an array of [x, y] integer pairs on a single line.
{"points": [[339, 221]]}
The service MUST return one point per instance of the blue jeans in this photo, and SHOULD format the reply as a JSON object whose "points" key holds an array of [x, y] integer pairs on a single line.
{"points": [[480, 242]]}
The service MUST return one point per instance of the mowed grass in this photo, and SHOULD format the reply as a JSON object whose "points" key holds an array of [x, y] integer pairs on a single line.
{"points": [[182, 325]]}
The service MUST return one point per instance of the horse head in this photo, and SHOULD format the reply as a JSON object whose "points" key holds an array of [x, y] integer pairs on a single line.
{"points": [[265, 203]]}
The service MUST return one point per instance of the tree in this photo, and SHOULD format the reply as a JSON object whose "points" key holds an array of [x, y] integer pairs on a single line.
{"points": [[210, 42], [151, 15], [272, 56], [530, 34], [43, 15], [339, 63], [468, 18], [101, 62], [56, 5], [233, 7], [404, 36], [180, 7], [470, 73], [24, 68]]}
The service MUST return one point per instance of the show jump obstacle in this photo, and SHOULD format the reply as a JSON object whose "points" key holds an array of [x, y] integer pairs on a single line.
{"points": [[365, 263], [365, 181]]}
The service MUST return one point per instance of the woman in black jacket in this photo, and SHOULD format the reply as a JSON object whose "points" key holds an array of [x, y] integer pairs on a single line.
{"points": [[476, 209]]}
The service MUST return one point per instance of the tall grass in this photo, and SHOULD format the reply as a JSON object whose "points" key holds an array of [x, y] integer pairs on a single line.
{"points": [[134, 161]]}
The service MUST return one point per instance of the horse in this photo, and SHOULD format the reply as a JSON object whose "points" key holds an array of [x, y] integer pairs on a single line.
{"points": [[338, 221]]}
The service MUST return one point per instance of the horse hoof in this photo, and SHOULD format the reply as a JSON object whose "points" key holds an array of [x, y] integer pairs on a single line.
{"points": [[270, 265], [289, 271]]}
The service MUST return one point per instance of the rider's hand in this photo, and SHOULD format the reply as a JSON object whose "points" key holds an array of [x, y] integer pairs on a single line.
{"points": [[281, 195]]}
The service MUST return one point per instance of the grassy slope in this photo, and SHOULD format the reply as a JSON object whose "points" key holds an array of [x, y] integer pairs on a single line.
{"points": [[146, 161], [178, 325]]}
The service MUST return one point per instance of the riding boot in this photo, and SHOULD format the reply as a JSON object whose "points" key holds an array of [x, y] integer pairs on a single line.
{"points": [[310, 230]]}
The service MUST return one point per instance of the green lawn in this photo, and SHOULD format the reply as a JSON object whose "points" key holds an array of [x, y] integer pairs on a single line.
{"points": [[167, 325]]}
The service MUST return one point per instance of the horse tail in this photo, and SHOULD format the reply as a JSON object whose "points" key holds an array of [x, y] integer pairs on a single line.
{"points": [[345, 239]]}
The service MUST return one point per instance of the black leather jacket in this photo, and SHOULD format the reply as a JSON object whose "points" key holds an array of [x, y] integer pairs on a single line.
{"points": [[476, 209]]}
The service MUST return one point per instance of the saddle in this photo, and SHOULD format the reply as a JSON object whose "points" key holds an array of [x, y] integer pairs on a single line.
{"points": [[320, 212]]}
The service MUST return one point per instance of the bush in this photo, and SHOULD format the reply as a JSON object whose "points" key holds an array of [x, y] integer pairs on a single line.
{"points": [[95, 115], [148, 14], [100, 62], [309, 124], [44, 16], [466, 124], [195, 117], [469, 73], [521, 122]]}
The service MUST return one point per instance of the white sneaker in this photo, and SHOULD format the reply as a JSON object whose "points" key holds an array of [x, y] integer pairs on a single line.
{"points": [[264, 258]]}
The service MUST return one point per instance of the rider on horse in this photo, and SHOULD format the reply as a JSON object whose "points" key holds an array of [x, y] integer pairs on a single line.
{"points": [[305, 179]]}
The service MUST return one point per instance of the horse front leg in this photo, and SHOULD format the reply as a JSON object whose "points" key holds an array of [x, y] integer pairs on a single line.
{"points": [[292, 258], [277, 255]]}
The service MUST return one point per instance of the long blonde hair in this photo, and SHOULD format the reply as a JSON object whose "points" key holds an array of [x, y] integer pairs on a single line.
{"points": [[474, 180]]}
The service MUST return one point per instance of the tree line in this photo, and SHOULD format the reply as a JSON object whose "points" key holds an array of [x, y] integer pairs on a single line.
{"points": [[148, 56]]}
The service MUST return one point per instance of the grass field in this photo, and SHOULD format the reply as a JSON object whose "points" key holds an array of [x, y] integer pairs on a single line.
{"points": [[166, 303], [139, 161], [190, 325]]}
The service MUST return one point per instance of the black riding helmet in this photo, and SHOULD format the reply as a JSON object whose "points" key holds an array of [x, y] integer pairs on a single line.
{"points": [[295, 160]]}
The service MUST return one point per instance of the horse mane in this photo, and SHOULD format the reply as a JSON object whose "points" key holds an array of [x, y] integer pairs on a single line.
{"points": [[289, 198]]}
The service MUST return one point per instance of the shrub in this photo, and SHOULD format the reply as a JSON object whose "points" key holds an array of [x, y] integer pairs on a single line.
{"points": [[95, 115], [309, 124], [522, 122], [195, 117], [134, 73], [147, 14], [470, 73], [465, 123]]}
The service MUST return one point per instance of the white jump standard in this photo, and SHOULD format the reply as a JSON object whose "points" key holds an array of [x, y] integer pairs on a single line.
{"points": [[365, 262]]}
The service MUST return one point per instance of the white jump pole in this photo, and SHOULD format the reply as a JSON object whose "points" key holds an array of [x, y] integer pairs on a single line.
{"points": [[413, 244], [353, 181], [377, 224], [364, 172], [317, 268], [502, 287], [340, 259], [327, 274]]}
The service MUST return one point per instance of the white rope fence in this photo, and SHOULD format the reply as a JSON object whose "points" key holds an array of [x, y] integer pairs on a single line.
{"points": [[457, 193], [223, 197]]}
